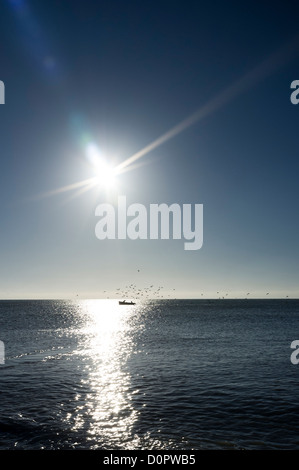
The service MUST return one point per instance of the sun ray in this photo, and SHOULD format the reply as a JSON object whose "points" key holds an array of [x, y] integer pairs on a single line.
{"points": [[132, 167], [69, 187], [81, 191], [280, 57]]}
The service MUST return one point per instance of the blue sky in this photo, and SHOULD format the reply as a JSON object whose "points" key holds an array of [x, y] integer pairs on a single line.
{"points": [[122, 74]]}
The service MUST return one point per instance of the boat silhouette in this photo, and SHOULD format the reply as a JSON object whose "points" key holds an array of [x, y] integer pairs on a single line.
{"points": [[125, 302]]}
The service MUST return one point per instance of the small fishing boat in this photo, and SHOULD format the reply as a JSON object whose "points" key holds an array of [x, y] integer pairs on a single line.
{"points": [[125, 302]]}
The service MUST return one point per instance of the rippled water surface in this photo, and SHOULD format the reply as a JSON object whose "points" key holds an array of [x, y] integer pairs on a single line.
{"points": [[158, 375]]}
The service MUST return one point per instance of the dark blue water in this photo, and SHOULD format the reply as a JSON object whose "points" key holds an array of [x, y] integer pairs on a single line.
{"points": [[169, 374]]}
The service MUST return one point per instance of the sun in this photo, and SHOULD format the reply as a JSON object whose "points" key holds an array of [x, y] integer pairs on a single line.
{"points": [[105, 173]]}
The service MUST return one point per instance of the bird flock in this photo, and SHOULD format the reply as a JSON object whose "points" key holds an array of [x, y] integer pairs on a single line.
{"points": [[136, 292], [159, 292], [156, 292]]}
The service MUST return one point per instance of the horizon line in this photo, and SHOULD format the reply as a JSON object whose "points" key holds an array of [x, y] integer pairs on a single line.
{"points": [[144, 300]]}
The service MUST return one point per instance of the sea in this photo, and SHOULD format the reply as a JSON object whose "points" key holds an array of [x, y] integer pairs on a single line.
{"points": [[159, 375]]}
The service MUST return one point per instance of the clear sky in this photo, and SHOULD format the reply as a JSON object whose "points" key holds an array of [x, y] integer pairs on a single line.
{"points": [[115, 76]]}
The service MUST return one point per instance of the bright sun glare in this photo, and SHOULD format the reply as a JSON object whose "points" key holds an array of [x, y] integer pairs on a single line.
{"points": [[105, 173]]}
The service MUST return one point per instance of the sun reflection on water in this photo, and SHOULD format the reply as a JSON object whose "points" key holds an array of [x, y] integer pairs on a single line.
{"points": [[104, 399]]}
